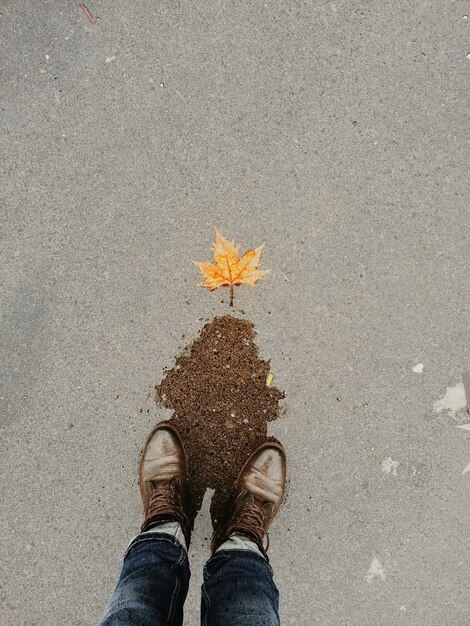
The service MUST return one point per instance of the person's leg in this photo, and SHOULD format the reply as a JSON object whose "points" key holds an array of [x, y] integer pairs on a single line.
{"points": [[239, 590], [155, 573], [154, 581], [238, 587]]}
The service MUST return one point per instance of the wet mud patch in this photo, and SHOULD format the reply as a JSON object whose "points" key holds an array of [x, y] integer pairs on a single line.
{"points": [[217, 390]]}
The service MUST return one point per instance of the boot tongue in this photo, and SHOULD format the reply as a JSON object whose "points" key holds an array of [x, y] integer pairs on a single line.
{"points": [[268, 507]]}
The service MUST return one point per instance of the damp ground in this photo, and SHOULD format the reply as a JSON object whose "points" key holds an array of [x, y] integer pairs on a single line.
{"points": [[217, 390]]}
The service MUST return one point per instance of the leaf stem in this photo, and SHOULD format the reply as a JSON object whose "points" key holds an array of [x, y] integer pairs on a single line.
{"points": [[231, 295]]}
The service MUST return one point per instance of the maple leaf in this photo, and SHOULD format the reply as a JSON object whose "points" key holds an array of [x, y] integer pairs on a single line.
{"points": [[229, 270]]}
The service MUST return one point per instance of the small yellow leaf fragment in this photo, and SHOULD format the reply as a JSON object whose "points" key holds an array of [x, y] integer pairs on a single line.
{"points": [[269, 379]]}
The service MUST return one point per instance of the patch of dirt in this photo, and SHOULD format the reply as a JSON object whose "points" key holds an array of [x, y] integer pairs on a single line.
{"points": [[221, 405]]}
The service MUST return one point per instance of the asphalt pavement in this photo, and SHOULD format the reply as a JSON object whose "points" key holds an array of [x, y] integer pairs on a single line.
{"points": [[338, 133]]}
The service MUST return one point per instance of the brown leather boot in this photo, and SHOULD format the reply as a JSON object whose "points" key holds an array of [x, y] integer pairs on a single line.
{"points": [[257, 497], [162, 478]]}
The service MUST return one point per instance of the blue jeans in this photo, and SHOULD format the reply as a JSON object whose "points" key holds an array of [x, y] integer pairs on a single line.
{"points": [[238, 587]]}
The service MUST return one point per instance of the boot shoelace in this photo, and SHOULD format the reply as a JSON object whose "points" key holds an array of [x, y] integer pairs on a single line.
{"points": [[252, 516], [164, 495]]}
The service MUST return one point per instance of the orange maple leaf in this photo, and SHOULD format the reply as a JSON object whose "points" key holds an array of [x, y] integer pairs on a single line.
{"points": [[229, 269]]}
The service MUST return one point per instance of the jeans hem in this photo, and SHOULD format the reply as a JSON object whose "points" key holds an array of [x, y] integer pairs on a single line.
{"points": [[251, 553], [141, 537]]}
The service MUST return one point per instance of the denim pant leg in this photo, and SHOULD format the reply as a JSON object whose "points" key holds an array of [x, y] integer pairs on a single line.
{"points": [[153, 584], [239, 590]]}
